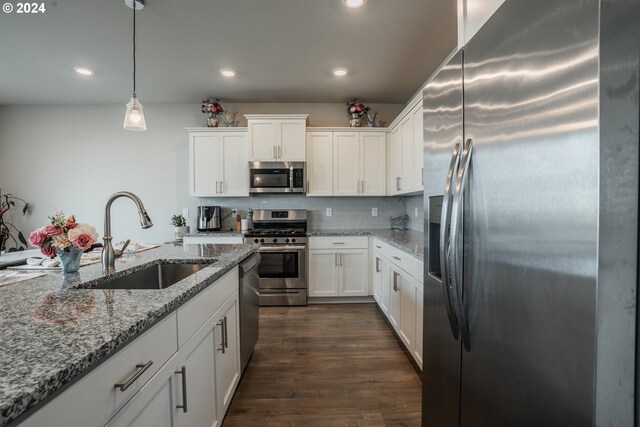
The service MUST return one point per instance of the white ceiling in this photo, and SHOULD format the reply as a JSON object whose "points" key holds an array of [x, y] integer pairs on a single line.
{"points": [[283, 50]]}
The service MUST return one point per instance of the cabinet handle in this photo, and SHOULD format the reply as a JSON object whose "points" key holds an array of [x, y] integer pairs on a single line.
{"points": [[226, 333], [221, 187], [398, 184], [340, 258], [395, 282], [141, 370], [217, 182], [377, 265], [274, 153], [422, 176], [338, 243], [362, 187], [183, 372], [221, 324], [396, 258], [279, 149], [379, 247], [335, 259]]}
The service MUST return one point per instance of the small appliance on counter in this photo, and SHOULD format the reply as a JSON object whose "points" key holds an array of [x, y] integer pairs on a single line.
{"points": [[209, 218]]}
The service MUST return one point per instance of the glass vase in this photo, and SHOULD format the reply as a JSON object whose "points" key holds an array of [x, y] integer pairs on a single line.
{"points": [[70, 260]]}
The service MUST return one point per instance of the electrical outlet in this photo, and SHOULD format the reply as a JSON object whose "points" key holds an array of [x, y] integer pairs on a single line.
{"points": [[329, 211], [416, 213], [374, 211], [185, 213], [234, 212]]}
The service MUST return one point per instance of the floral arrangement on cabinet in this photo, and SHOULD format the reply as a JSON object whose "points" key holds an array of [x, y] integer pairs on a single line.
{"points": [[356, 110], [212, 108], [62, 235]]}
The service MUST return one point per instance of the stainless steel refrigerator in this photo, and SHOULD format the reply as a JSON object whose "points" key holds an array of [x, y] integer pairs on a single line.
{"points": [[531, 220]]}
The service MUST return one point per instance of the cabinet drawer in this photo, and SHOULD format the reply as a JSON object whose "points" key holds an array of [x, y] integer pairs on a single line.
{"points": [[94, 399], [193, 314], [339, 242], [408, 263]]}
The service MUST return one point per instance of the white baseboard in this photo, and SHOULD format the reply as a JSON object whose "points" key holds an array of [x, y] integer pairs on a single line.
{"points": [[340, 300]]}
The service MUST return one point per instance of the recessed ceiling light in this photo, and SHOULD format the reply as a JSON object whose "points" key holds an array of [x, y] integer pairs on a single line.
{"points": [[227, 72], [340, 72], [353, 4], [83, 71]]}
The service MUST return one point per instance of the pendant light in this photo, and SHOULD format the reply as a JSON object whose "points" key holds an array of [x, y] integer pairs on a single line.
{"points": [[134, 117]]}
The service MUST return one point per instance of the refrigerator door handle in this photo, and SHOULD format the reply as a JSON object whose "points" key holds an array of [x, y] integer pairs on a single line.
{"points": [[456, 237], [445, 240]]}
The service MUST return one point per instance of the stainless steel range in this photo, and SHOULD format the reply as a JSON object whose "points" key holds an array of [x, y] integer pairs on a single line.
{"points": [[282, 236]]}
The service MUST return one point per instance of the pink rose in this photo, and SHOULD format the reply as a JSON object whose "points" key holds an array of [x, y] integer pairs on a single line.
{"points": [[51, 230], [49, 251], [80, 238], [70, 222], [353, 109], [359, 107], [36, 238]]}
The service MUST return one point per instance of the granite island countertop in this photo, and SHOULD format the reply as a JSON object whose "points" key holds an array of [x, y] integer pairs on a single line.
{"points": [[409, 241], [54, 332]]}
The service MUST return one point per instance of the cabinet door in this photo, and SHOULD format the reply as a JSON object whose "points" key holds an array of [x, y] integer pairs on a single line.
{"points": [[319, 164], [407, 155], [235, 165], [155, 403], [204, 164], [263, 138], [385, 284], [408, 306], [395, 298], [354, 277], [417, 353], [393, 161], [373, 163], [323, 273], [346, 168], [227, 361], [197, 367], [291, 140], [418, 139]]}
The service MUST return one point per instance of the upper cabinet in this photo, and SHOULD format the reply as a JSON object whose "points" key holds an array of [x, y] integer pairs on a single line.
{"points": [[346, 163], [404, 153], [277, 137], [218, 162]]}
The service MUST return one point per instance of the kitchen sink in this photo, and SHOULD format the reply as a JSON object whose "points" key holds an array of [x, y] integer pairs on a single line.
{"points": [[157, 276]]}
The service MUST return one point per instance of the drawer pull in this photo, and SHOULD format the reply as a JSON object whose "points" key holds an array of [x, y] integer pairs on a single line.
{"points": [[183, 372], [141, 370], [396, 258], [222, 325], [379, 247], [338, 243]]}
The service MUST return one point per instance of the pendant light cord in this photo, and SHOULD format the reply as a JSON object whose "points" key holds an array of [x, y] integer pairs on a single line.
{"points": [[134, 48]]}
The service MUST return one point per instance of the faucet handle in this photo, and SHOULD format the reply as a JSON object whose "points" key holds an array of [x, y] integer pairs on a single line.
{"points": [[120, 252]]}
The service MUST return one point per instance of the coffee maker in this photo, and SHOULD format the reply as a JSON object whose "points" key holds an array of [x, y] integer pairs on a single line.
{"points": [[209, 218]]}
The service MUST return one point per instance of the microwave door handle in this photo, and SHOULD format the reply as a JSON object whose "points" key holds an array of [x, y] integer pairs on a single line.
{"points": [[445, 240]]}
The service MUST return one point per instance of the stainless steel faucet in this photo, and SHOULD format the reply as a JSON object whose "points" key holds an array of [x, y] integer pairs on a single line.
{"points": [[108, 254]]}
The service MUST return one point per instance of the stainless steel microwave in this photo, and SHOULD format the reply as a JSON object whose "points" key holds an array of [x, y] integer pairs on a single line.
{"points": [[277, 177]]}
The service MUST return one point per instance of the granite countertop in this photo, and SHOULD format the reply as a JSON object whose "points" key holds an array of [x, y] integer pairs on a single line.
{"points": [[409, 241], [216, 233], [54, 329]]}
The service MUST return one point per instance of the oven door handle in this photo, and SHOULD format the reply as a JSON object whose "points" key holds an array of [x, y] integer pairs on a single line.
{"points": [[281, 248]]}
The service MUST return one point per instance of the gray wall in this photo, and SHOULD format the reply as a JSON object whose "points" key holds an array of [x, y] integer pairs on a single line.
{"points": [[72, 158]]}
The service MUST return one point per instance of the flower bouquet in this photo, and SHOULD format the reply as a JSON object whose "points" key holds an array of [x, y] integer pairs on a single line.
{"points": [[66, 238], [356, 110], [212, 107]]}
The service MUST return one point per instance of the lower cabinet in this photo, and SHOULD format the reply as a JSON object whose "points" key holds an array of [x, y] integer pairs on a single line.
{"points": [[399, 294], [190, 387], [338, 273]]}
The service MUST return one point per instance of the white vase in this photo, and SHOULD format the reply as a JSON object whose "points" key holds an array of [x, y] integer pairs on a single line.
{"points": [[180, 232]]}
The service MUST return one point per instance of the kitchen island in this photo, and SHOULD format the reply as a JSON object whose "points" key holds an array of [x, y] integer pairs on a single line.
{"points": [[54, 331]]}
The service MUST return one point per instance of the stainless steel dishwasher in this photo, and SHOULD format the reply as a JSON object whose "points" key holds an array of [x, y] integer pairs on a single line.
{"points": [[249, 308]]}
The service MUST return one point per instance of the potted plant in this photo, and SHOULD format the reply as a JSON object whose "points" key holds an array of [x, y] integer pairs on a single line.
{"points": [[180, 226], [356, 110], [8, 231], [212, 108]]}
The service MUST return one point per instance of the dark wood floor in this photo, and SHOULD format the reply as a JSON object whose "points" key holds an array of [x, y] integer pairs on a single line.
{"points": [[326, 365]]}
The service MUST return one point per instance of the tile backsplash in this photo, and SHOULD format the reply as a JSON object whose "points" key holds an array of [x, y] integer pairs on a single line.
{"points": [[347, 212]]}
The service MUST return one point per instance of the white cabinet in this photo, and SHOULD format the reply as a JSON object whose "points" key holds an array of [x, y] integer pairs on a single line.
{"points": [[154, 405], [218, 163], [228, 353], [277, 137], [398, 291], [404, 153], [359, 163], [319, 163], [338, 266]]}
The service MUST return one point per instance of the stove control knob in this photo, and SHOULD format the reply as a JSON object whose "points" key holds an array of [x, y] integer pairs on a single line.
{"points": [[275, 240], [255, 240], [293, 240], [261, 240], [286, 240]]}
